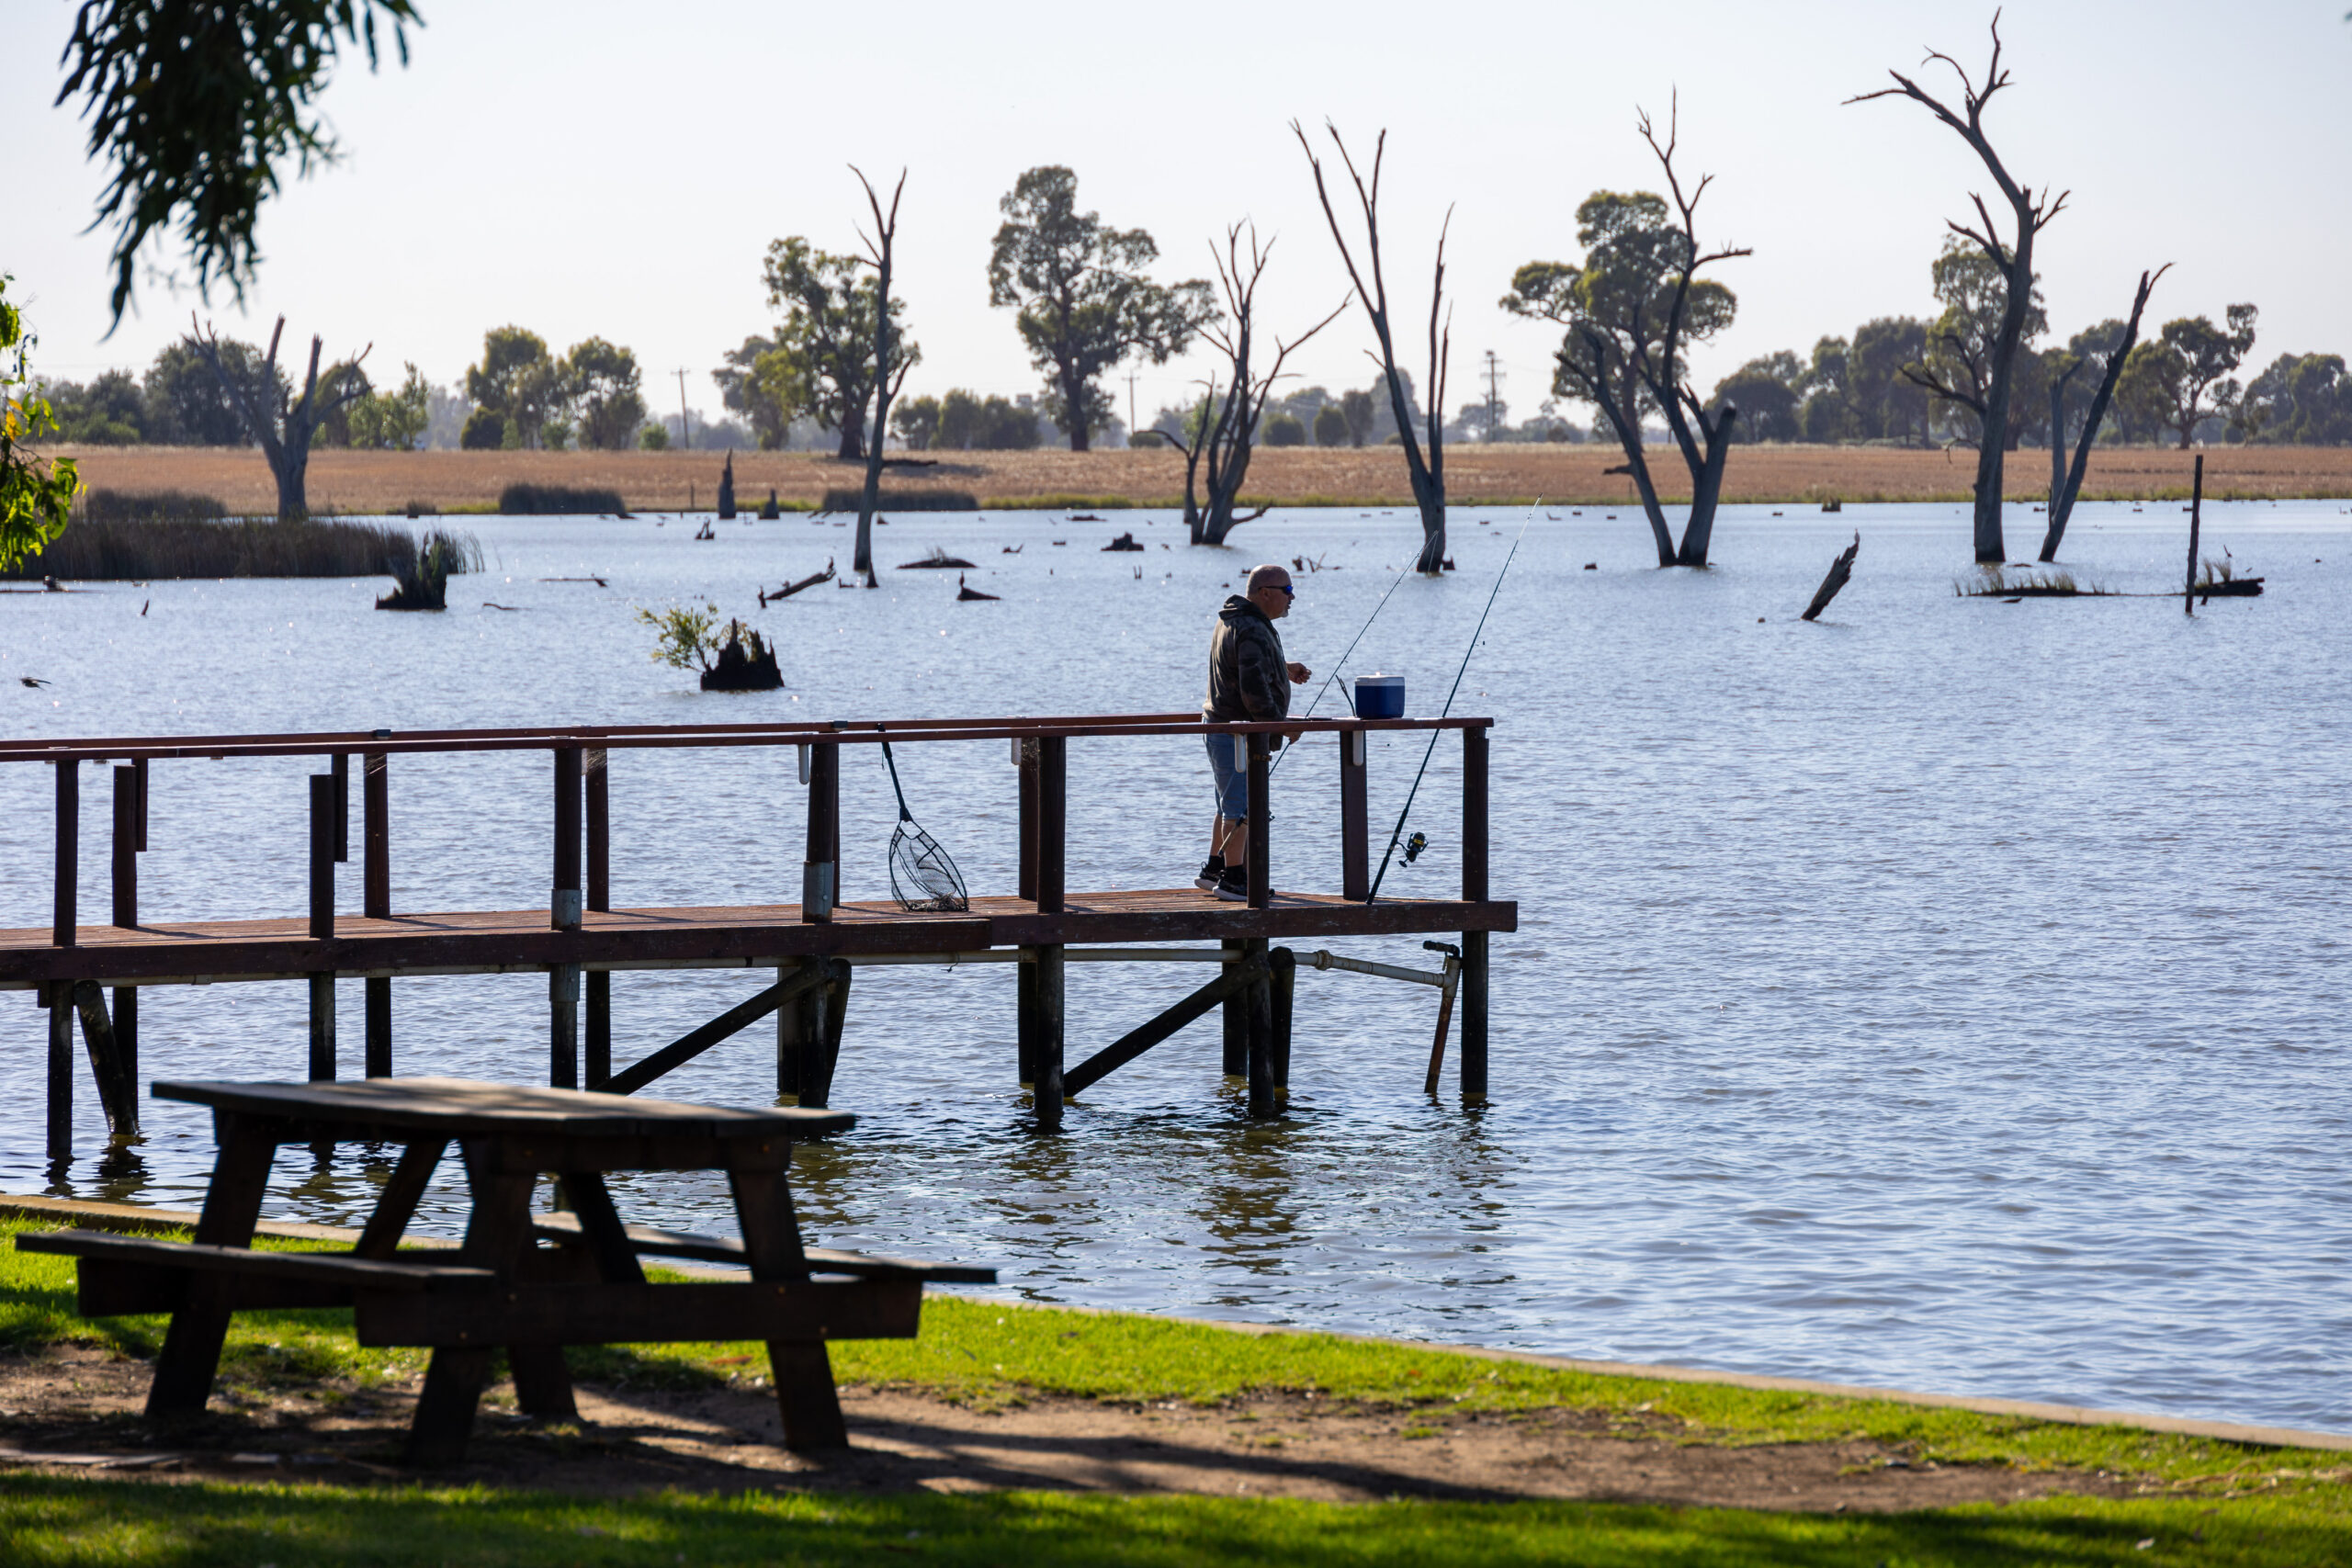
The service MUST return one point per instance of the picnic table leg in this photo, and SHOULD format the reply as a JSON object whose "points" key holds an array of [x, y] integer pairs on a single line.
{"points": [[397, 1204], [232, 1208], [803, 1369], [496, 1237]]}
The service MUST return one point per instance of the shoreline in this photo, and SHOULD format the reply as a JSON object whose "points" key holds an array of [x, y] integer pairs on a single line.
{"points": [[94, 1214], [357, 483]]}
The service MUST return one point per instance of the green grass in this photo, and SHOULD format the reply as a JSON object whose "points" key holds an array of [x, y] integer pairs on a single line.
{"points": [[2250, 1504], [68, 1524]]}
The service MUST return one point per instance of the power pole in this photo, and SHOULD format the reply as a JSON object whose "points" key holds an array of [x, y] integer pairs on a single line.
{"points": [[1131, 407], [1494, 377], [685, 420]]}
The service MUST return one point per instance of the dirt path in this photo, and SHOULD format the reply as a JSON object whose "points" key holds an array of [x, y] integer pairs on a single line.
{"points": [[82, 1410]]}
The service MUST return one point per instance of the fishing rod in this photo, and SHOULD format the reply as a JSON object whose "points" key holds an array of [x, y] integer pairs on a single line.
{"points": [[1388, 856], [1343, 661]]}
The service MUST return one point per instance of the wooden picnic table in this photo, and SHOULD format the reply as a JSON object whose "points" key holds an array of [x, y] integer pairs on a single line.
{"points": [[502, 1287]]}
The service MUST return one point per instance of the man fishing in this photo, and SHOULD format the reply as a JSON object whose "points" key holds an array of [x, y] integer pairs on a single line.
{"points": [[1249, 681]]}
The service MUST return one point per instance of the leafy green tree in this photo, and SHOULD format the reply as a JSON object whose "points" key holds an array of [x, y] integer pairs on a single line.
{"points": [[1766, 393], [1632, 309], [195, 104], [654, 438], [1083, 301], [1887, 404], [35, 492], [770, 420], [607, 382], [968, 422], [187, 404], [2184, 375], [334, 425], [822, 364], [916, 420], [394, 420], [110, 411], [1361, 412], [485, 431], [1331, 427], [2303, 400], [518, 379]]}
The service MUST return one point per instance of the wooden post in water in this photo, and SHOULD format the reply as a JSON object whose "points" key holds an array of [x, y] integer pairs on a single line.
{"points": [[1053, 868], [1028, 1006], [376, 900], [1259, 996], [1285, 992], [1474, 890], [59, 996], [563, 980], [1047, 1061], [323, 797], [2195, 515], [1235, 1016], [1355, 819], [598, 1042], [130, 801]]}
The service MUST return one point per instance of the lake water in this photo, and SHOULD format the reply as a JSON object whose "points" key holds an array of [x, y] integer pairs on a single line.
{"points": [[1947, 994]]}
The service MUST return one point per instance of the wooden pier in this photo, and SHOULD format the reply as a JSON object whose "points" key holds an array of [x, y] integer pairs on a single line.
{"points": [[812, 947]]}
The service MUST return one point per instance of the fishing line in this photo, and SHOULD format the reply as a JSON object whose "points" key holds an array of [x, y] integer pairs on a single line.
{"points": [[1389, 855], [1343, 662]]}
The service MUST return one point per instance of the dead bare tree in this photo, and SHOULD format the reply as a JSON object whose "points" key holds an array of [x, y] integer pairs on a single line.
{"points": [[1232, 436], [2030, 214], [879, 255], [1664, 372], [1192, 441], [1425, 465], [281, 425], [2066, 484]]}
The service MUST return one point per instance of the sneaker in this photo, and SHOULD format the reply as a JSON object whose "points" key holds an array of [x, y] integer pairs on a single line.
{"points": [[1233, 887], [1206, 881]]}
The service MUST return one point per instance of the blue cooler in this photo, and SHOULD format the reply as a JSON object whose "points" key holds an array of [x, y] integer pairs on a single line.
{"points": [[1380, 696]]}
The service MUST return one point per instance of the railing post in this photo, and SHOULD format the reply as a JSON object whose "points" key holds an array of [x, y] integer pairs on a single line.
{"points": [[324, 794], [565, 903], [1474, 890], [339, 768], [64, 911], [376, 899], [127, 802], [1262, 883], [1355, 819], [597, 1040], [820, 879], [1026, 757], [1053, 842]]}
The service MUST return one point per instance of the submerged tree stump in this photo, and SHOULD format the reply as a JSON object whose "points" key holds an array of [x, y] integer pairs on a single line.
{"points": [[1841, 571], [742, 670]]}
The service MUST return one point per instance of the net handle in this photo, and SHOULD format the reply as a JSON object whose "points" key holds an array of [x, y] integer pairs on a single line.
{"points": [[904, 815]]}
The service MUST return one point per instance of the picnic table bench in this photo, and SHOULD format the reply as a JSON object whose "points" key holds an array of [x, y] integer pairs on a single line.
{"points": [[501, 1288]]}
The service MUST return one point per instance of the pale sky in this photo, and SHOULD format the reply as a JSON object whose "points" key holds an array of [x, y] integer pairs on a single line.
{"points": [[591, 168]]}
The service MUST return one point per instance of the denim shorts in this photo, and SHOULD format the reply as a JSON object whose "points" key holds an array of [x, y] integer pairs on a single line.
{"points": [[1229, 766]]}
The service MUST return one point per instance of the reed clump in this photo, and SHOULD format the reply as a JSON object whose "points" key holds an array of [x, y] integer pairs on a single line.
{"points": [[102, 505], [1994, 582], [422, 569], [901, 501], [93, 550], [560, 501]]}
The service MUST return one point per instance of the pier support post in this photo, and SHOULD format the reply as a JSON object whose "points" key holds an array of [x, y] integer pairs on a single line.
{"points": [[130, 838], [1474, 890], [819, 1060], [1048, 1063], [1027, 1015], [799, 1027], [1262, 883], [1259, 997], [1236, 1018], [60, 999], [324, 794], [563, 1026], [1025, 755], [1285, 985], [376, 900], [1053, 824], [117, 1093]]}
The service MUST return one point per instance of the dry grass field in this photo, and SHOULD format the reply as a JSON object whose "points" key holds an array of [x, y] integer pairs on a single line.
{"points": [[368, 482]]}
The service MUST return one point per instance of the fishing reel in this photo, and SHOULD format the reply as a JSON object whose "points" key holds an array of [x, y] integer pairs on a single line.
{"points": [[1414, 846]]}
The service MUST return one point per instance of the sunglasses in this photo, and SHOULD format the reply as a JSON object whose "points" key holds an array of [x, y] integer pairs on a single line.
{"points": [[1287, 591]]}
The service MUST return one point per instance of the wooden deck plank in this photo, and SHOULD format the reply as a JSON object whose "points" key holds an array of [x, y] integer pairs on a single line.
{"points": [[164, 950]]}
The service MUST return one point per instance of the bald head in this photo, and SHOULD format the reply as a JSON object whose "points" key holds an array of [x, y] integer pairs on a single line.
{"points": [[1270, 591]]}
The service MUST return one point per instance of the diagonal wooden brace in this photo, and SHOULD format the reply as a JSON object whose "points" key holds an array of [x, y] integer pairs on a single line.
{"points": [[735, 1020], [1236, 978], [116, 1090]]}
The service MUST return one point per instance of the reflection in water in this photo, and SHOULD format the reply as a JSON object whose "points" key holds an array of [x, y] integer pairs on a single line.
{"points": [[1908, 1112]]}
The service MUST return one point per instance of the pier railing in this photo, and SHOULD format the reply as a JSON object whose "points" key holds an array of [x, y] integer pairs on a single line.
{"points": [[581, 815]]}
